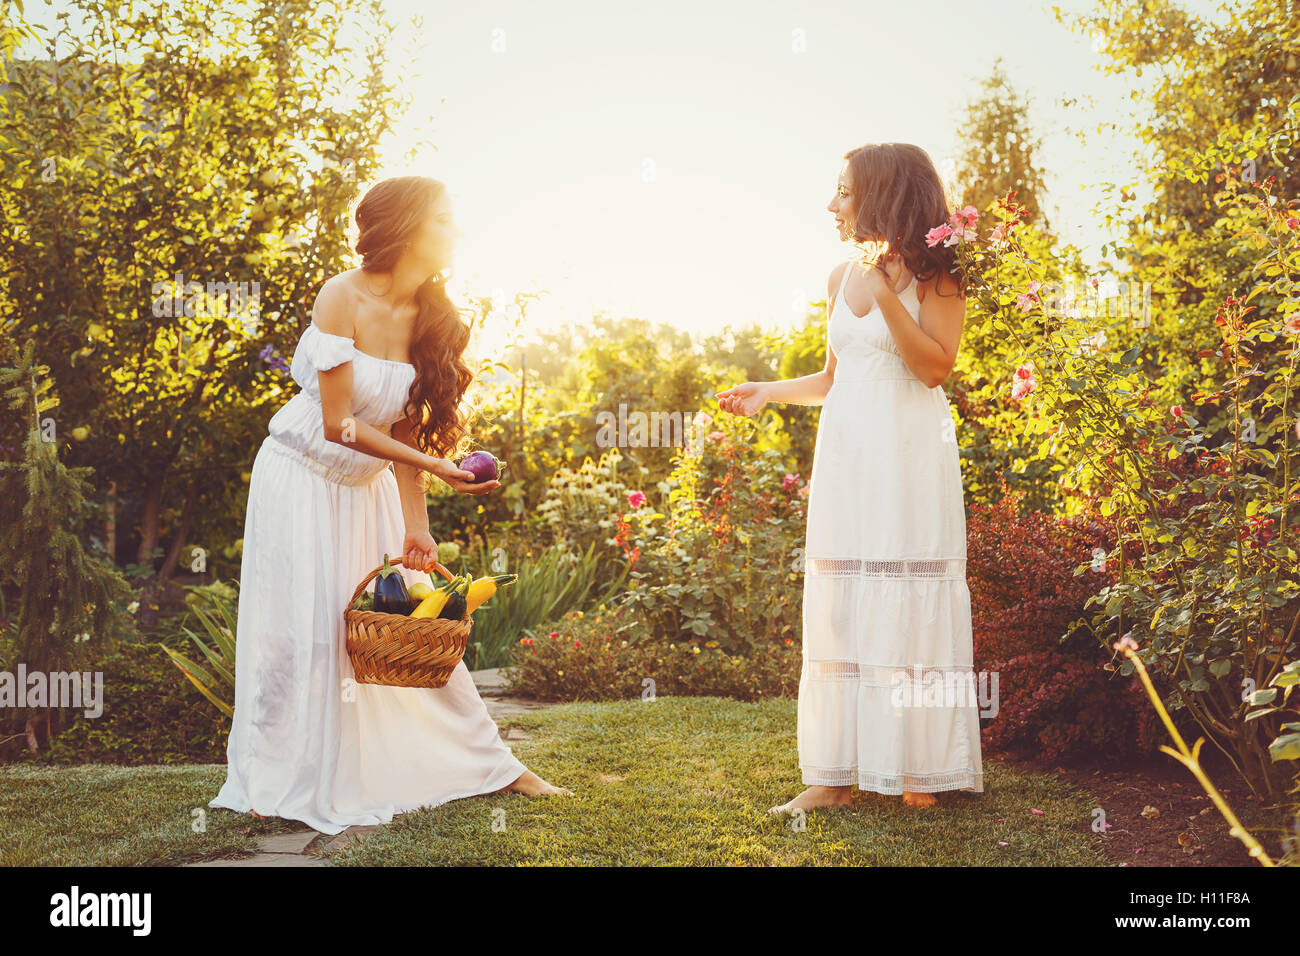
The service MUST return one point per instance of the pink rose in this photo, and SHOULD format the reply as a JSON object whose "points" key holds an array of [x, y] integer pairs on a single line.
{"points": [[789, 481], [636, 499], [961, 233], [1176, 411], [967, 213], [937, 235], [1292, 323], [1293, 223], [1024, 381]]}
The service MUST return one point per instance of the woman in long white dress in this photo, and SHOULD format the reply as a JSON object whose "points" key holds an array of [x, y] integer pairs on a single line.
{"points": [[381, 379], [887, 690]]}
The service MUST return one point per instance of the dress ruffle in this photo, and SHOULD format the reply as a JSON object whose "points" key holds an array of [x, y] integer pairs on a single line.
{"points": [[324, 350]]}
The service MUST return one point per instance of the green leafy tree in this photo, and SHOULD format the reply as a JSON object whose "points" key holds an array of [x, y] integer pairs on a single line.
{"points": [[180, 184], [997, 150], [62, 597]]}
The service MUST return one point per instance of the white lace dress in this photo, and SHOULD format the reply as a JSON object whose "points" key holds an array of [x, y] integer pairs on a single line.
{"points": [[887, 690], [307, 742]]}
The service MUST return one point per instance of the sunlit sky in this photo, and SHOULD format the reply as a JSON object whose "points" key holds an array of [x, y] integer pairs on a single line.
{"points": [[673, 161]]}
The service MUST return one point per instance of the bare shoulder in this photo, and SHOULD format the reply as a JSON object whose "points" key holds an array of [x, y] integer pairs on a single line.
{"points": [[836, 277], [944, 285], [335, 308]]}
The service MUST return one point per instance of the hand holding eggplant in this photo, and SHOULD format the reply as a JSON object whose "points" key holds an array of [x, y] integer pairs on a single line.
{"points": [[460, 479]]}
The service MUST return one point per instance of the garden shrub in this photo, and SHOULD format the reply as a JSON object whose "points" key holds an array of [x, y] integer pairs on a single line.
{"points": [[152, 715], [604, 656], [718, 556], [1059, 695]]}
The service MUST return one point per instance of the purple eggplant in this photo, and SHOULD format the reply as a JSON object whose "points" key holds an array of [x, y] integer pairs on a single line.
{"points": [[390, 591], [483, 464]]}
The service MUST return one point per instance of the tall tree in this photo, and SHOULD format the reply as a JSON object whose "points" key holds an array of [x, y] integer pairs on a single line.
{"points": [[62, 596], [178, 184], [998, 150]]}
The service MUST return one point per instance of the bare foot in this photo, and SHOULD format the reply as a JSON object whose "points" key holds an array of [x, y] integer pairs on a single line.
{"points": [[918, 799], [531, 785], [818, 798]]}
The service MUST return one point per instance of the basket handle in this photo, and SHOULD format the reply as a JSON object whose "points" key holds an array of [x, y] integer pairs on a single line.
{"points": [[396, 561]]}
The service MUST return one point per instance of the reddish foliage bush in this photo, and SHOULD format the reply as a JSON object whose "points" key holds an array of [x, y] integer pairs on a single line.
{"points": [[1056, 700]]}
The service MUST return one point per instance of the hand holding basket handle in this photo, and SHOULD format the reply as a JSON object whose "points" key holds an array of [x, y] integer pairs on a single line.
{"points": [[419, 550], [401, 651]]}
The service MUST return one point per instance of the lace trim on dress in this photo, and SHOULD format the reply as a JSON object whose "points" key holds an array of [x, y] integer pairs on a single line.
{"points": [[894, 783], [892, 675], [930, 569]]}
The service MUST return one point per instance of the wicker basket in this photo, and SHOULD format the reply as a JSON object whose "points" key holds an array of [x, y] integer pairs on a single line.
{"points": [[402, 651]]}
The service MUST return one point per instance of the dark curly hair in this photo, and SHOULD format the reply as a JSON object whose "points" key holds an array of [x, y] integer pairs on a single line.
{"points": [[899, 198], [387, 215]]}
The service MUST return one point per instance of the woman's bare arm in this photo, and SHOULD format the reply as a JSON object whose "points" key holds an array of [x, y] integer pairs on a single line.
{"points": [[332, 314], [410, 483], [928, 345], [811, 389]]}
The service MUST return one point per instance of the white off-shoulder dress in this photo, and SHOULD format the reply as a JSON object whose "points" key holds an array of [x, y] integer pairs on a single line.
{"points": [[307, 742], [887, 692]]}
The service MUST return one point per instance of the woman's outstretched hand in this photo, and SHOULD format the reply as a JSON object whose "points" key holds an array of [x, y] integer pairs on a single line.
{"points": [[745, 399], [459, 479], [419, 550]]}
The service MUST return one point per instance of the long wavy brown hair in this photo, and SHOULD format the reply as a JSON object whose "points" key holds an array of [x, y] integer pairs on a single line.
{"points": [[899, 198], [387, 215]]}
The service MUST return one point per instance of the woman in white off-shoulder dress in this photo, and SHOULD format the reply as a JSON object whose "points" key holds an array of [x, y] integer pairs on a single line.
{"points": [[307, 741], [887, 695]]}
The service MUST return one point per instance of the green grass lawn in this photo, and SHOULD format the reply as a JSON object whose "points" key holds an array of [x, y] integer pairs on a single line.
{"points": [[676, 781], [97, 815]]}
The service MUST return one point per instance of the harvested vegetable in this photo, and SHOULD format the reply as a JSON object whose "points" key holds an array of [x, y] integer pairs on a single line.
{"points": [[483, 464], [391, 596], [365, 602], [484, 588], [454, 609], [432, 605]]}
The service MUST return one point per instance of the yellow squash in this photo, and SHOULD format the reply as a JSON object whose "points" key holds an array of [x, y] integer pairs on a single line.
{"points": [[484, 588], [432, 605]]}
